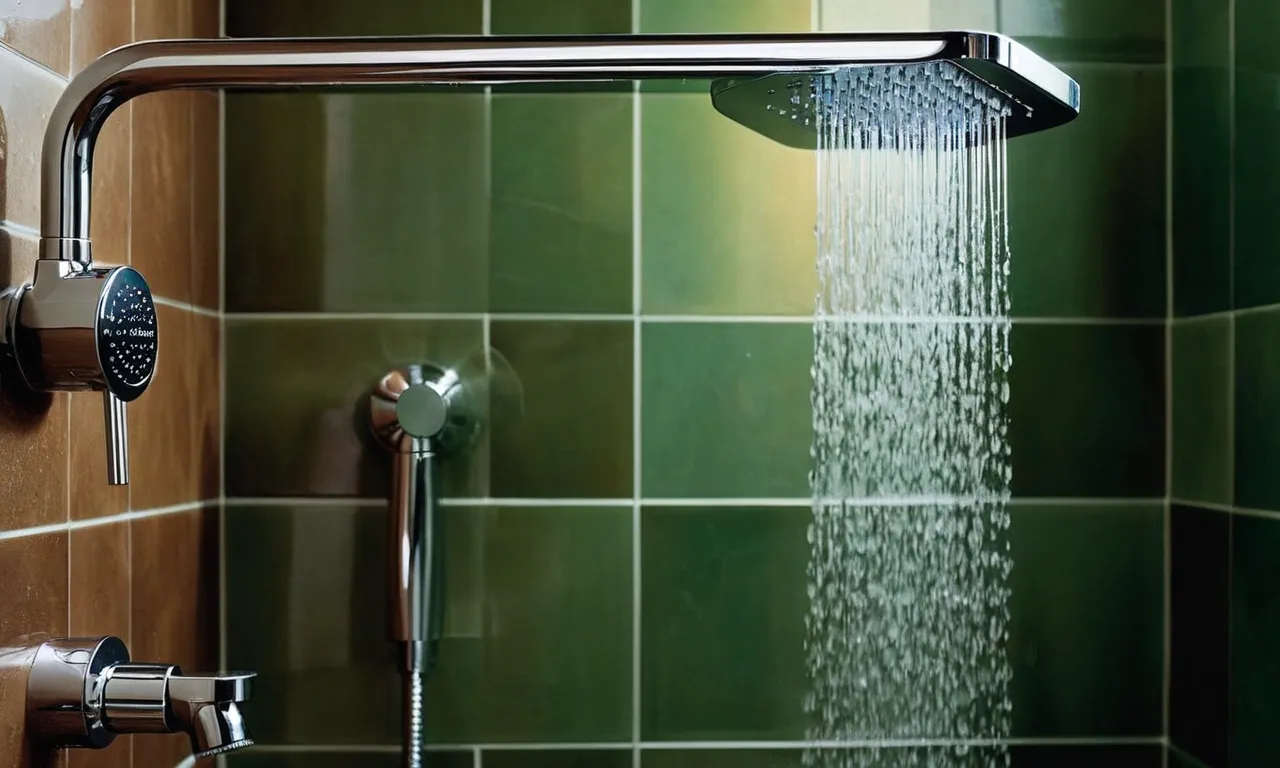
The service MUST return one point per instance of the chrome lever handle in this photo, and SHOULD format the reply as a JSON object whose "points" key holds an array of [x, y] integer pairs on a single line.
{"points": [[117, 423]]}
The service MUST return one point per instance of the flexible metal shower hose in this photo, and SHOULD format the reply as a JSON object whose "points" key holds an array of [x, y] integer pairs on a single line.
{"points": [[414, 721]]}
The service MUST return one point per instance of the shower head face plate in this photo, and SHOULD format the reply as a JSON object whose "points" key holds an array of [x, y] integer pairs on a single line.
{"points": [[781, 106]]}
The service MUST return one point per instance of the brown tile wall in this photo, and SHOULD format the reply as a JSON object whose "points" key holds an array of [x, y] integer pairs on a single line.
{"points": [[150, 579]]}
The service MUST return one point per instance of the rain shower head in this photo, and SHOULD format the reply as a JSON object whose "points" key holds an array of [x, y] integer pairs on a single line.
{"points": [[781, 105], [750, 67]]}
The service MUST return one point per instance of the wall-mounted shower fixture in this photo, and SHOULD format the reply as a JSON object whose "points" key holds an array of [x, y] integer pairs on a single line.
{"points": [[83, 692], [420, 413], [62, 327]]}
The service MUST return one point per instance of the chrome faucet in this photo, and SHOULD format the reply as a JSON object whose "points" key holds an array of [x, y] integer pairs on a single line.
{"points": [[83, 692]]}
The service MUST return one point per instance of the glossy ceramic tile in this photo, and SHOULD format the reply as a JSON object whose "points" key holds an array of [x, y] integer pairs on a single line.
{"points": [[174, 427], [561, 202], [34, 572], [722, 623], [1201, 156], [1087, 649], [297, 401], [725, 16], [1180, 759], [1202, 449], [1199, 700], [577, 758], [1257, 123], [559, 17], [118, 755], [27, 95], [1094, 756], [91, 496], [562, 419], [312, 18], [1086, 410], [367, 202], [40, 30], [99, 581], [907, 15], [174, 607], [1087, 203], [1257, 410], [174, 566], [537, 636], [1088, 30], [97, 27], [33, 433], [1255, 632], [725, 410], [251, 759], [162, 163], [726, 214], [206, 223]]}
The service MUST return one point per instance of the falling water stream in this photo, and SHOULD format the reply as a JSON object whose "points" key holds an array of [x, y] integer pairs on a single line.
{"points": [[908, 579]]}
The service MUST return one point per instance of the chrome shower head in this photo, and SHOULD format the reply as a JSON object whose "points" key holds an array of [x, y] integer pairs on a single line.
{"points": [[782, 105]]}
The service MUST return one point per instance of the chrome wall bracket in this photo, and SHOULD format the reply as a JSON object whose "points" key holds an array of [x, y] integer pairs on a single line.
{"points": [[83, 692]]}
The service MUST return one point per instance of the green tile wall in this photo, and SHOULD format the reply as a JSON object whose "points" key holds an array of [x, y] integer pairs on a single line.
{"points": [[1199, 632], [393, 228], [537, 638], [1202, 430]]}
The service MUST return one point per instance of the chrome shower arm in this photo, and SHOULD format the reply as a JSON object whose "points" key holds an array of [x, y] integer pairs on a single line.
{"points": [[146, 67]]}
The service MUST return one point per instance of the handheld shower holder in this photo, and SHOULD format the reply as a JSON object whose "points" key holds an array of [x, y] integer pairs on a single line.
{"points": [[83, 692]]}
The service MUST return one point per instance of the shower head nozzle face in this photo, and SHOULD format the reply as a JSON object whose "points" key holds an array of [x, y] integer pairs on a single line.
{"points": [[127, 340], [785, 107]]}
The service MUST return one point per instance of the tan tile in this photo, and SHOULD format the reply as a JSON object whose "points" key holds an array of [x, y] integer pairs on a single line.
{"points": [[118, 755], [162, 750], [27, 96], [109, 214], [163, 421], [206, 18], [40, 30], [17, 256], [98, 589], [161, 199], [91, 496], [175, 589], [163, 18], [97, 27], [206, 222], [206, 433], [33, 457], [33, 570]]}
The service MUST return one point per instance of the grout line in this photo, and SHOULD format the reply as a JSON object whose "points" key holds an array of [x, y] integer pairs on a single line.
{"points": [[798, 502], [1170, 298], [1211, 506], [25, 59], [713, 745], [163, 302], [222, 366], [93, 522], [20, 230], [635, 316], [637, 445]]}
